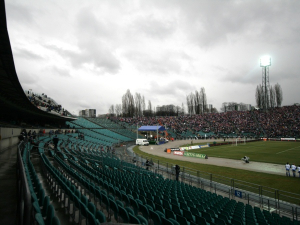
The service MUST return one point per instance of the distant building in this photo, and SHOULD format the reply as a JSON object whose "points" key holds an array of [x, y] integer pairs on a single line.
{"points": [[166, 108], [88, 113], [233, 106], [82, 113], [248, 107]]}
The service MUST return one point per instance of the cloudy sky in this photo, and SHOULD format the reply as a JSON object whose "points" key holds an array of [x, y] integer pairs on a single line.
{"points": [[86, 54]]}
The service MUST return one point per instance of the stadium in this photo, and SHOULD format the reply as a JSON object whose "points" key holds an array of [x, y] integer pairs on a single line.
{"points": [[57, 168]]}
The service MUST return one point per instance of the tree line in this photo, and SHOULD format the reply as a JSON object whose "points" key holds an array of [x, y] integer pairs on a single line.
{"points": [[197, 102], [274, 96], [135, 105]]}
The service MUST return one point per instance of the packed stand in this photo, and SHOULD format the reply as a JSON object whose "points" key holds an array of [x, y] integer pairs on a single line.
{"points": [[280, 122], [46, 103], [277, 122]]}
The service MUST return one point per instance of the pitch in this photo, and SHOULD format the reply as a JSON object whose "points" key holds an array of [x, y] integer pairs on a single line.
{"points": [[279, 152]]}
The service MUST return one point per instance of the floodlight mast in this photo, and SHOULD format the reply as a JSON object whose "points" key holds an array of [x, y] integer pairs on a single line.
{"points": [[265, 62]]}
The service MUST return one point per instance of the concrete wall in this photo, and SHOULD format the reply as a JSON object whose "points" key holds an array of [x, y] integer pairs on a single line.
{"points": [[9, 136]]}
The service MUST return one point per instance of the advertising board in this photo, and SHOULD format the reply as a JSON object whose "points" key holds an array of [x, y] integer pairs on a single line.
{"points": [[194, 147], [196, 155], [178, 153]]}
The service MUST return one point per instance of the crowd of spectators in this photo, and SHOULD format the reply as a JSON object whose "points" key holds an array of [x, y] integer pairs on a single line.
{"points": [[45, 103], [280, 121], [276, 122], [30, 135]]}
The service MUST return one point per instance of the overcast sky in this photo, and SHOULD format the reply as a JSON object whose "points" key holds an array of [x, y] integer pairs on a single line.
{"points": [[86, 54]]}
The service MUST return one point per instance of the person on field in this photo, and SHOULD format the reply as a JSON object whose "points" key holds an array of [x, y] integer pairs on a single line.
{"points": [[246, 159], [299, 170], [293, 167], [287, 169]]}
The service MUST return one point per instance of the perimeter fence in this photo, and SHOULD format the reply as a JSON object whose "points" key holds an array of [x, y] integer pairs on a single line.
{"points": [[274, 200]]}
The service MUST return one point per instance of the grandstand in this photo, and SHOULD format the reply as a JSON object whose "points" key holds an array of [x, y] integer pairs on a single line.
{"points": [[88, 179], [279, 123]]}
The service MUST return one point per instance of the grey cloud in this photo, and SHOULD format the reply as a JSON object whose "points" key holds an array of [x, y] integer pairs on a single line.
{"points": [[210, 23], [26, 54], [154, 27], [241, 76], [18, 12], [27, 79], [94, 43], [174, 88], [165, 64], [92, 53], [88, 25], [82, 104], [60, 72]]}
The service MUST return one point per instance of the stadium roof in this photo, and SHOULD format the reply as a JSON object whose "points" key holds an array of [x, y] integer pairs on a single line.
{"points": [[13, 102], [151, 128]]}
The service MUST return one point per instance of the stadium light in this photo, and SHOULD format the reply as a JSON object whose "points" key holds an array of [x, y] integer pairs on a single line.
{"points": [[265, 61]]}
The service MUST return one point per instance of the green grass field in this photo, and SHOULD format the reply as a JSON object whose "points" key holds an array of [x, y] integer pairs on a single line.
{"points": [[279, 152]]}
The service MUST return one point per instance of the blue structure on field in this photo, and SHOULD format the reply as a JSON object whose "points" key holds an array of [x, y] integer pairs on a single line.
{"points": [[153, 128]]}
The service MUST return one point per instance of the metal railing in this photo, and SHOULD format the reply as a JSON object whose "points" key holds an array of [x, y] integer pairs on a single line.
{"points": [[24, 207], [282, 202]]}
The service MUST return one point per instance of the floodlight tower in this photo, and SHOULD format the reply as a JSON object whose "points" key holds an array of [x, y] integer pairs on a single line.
{"points": [[265, 62]]}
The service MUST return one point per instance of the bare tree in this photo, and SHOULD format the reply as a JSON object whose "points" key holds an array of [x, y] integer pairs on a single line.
{"points": [[128, 104], [279, 97], [111, 110], [259, 97], [178, 110], [182, 109], [203, 99], [143, 104], [190, 103], [197, 103], [272, 97], [150, 108], [166, 110], [214, 110], [223, 107], [138, 104], [118, 109]]}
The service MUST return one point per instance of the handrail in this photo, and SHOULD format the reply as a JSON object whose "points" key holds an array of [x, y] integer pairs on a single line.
{"points": [[24, 195]]}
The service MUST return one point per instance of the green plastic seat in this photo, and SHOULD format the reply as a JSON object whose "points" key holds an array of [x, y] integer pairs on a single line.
{"points": [[182, 220], [144, 210], [55, 221], [142, 220], [155, 217], [50, 215], [114, 208], [133, 219], [39, 219], [36, 207], [91, 219], [100, 216], [189, 216]]}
